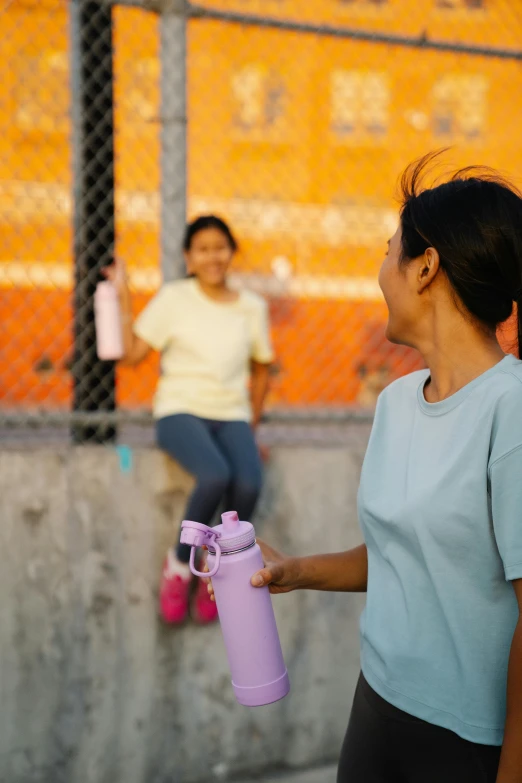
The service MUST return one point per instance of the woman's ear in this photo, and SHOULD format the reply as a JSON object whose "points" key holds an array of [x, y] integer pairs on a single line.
{"points": [[428, 268], [188, 265]]}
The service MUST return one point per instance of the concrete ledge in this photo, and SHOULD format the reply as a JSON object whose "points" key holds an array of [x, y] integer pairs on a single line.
{"points": [[94, 688], [317, 775]]}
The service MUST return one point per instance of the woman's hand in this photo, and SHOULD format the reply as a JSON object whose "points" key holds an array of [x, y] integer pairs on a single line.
{"points": [[280, 573]]}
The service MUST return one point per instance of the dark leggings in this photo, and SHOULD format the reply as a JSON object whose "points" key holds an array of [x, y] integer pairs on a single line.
{"points": [[223, 458], [385, 745]]}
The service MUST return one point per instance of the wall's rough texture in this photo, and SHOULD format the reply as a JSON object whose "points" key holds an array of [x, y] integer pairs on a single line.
{"points": [[93, 688]]}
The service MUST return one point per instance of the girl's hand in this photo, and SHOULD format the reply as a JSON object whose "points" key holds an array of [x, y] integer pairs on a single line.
{"points": [[264, 452], [280, 573], [116, 273]]}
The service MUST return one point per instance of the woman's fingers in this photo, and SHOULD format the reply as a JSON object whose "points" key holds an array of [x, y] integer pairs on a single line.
{"points": [[272, 574], [210, 589], [262, 578]]}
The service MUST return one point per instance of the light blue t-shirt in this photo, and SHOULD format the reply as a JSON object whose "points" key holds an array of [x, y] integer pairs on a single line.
{"points": [[440, 506]]}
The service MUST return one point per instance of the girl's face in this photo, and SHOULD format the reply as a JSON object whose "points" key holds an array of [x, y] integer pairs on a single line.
{"points": [[209, 257], [399, 285]]}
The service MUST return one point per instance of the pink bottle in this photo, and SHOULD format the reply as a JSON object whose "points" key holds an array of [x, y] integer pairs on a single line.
{"points": [[259, 674], [107, 320]]}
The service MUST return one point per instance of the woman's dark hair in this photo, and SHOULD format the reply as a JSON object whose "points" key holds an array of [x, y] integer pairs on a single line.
{"points": [[474, 222], [208, 221]]}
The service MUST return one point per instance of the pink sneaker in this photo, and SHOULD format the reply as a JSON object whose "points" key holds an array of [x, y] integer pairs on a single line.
{"points": [[202, 609], [174, 590]]}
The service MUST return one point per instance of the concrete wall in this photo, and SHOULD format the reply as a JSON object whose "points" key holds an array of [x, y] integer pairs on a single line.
{"points": [[93, 688]]}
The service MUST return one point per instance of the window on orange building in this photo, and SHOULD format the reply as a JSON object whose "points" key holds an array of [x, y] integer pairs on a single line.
{"points": [[138, 94], [466, 4], [42, 91], [359, 103], [460, 107], [259, 97], [363, 2]]}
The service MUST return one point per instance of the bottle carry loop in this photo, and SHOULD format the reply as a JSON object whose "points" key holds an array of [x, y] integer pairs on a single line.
{"points": [[206, 574]]}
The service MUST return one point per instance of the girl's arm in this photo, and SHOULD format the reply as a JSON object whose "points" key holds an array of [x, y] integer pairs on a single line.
{"points": [[259, 384]]}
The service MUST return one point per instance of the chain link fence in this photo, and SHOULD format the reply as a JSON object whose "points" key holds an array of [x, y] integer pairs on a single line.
{"points": [[301, 116]]}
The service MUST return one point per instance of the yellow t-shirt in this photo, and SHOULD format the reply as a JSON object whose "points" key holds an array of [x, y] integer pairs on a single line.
{"points": [[206, 350]]}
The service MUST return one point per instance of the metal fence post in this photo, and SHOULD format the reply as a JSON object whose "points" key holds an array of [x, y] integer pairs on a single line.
{"points": [[173, 21], [93, 138]]}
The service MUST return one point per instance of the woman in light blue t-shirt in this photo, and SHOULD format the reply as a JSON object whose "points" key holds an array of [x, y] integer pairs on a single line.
{"points": [[439, 699]]}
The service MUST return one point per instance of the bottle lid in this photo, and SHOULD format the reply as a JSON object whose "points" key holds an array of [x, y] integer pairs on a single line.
{"points": [[234, 534], [196, 534]]}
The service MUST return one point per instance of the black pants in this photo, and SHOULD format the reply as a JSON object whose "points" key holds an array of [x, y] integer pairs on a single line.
{"points": [[223, 458], [385, 745]]}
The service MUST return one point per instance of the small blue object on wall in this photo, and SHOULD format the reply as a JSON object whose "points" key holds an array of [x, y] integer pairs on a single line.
{"points": [[125, 455]]}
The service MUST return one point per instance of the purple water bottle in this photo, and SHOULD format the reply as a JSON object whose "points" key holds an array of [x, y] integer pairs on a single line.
{"points": [[259, 674]]}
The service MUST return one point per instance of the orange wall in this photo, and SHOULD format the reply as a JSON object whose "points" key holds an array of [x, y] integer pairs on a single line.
{"points": [[263, 141]]}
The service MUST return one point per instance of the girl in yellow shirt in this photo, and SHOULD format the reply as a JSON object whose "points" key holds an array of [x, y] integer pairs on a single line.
{"points": [[215, 358]]}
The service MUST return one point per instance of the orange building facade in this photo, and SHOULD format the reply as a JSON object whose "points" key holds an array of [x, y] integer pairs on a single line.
{"points": [[297, 139]]}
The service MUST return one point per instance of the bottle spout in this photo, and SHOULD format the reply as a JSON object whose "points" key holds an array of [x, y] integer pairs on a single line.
{"points": [[230, 521]]}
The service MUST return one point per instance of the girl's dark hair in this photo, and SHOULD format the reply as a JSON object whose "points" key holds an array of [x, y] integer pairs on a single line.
{"points": [[208, 221], [474, 221]]}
